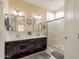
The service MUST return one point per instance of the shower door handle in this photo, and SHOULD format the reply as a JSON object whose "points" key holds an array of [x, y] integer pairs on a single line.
{"points": [[78, 35], [66, 37]]}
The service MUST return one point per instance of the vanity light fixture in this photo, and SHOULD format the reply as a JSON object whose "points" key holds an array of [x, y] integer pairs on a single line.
{"points": [[17, 13], [20, 13], [37, 16]]}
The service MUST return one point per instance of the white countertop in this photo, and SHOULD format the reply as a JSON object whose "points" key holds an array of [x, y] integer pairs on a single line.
{"points": [[10, 39]]}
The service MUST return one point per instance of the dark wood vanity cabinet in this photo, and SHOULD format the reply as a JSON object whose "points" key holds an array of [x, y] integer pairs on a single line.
{"points": [[18, 49]]}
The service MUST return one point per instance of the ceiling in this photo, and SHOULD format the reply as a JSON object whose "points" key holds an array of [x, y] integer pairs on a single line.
{"points": [[53, 5]]}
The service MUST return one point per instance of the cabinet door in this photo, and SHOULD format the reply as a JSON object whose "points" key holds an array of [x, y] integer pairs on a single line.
{"points": [[23, 46], [10, 49], [77, 29], [72, 29]]}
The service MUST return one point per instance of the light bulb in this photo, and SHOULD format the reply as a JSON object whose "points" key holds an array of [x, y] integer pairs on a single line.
{"points": [[15, 12], [20, 13], [37, 16]]}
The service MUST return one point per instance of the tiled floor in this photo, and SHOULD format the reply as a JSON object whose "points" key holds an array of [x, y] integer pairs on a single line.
{"points": [[43, 55], [47, 54]]}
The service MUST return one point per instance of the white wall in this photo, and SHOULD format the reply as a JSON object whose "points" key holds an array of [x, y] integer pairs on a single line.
{"points": [[1, 33], [72, 29]]}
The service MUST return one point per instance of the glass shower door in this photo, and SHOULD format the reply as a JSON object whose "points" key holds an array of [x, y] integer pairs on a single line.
{"points": [[56, 33]]}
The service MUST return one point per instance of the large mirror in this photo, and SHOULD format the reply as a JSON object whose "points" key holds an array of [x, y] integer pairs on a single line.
{"points": [[14, 23], [24, 17]]}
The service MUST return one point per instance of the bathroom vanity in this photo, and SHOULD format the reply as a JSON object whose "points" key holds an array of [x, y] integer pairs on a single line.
{"points": [[21, 48]]}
